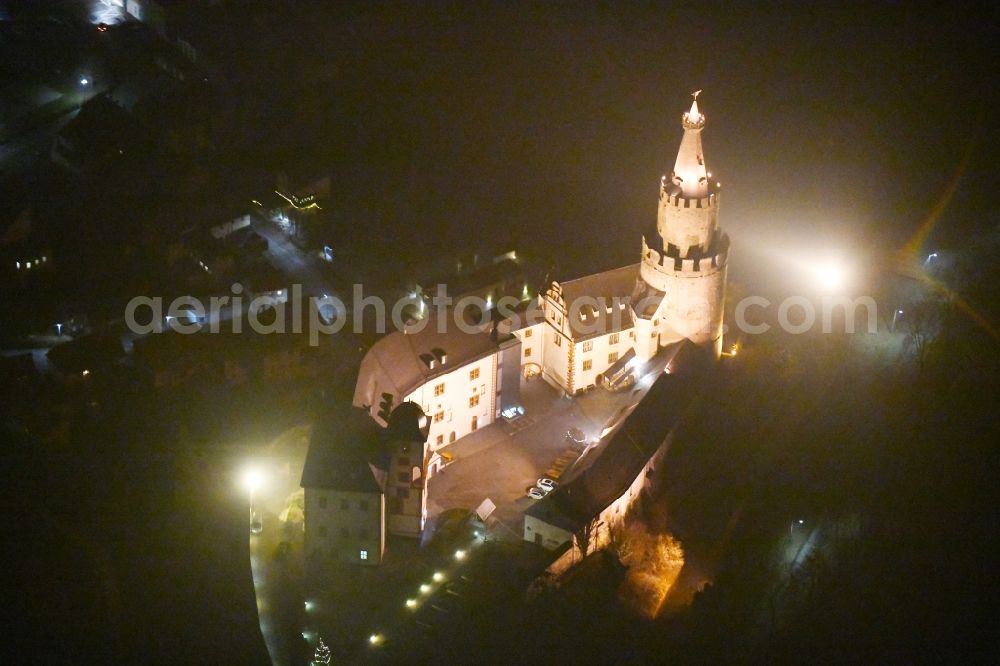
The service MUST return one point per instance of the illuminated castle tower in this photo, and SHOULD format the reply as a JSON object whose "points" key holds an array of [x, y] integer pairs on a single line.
{"points": [[682, 276]]}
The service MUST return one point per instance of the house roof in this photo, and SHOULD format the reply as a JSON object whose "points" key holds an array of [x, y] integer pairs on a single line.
{"points": [[341, 449], [586, 321], [348, 449], [407, 423], [629, 447], [400, 362]]}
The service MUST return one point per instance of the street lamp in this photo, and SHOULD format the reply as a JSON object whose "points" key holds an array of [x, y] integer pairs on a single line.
{"points": [[831, 276], [252, 481], [84, 81]]}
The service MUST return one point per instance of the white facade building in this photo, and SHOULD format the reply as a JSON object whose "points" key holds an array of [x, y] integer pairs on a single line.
{"points": [[596, 326], [579, 334], [461, 379]]}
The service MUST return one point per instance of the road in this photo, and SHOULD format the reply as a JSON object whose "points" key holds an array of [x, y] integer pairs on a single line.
{"points": [[501, 460], [278, 578], [300, 267]]}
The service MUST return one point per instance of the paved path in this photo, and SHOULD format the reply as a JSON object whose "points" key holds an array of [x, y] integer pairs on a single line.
{"points": [[502, 460]]}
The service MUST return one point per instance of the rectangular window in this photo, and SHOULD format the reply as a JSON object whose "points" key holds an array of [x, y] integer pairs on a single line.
{"points": [[403, 461], [613, 340], [612, 357], [439, 417], [440, 440], [322, 502], [474, 374], [451, 437], [558, 341], [527, 351], [363, 505], [473, 401], [363, 554], [439, 389], [587, 364], [475, 423], [528, 332], [403, 493], [403, 477], [588, 346]]}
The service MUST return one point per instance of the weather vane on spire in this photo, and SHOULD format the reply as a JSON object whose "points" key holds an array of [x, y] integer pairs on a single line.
{"points": [[693, 119]]}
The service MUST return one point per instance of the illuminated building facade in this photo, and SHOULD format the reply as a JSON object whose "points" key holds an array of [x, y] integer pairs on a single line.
{"points": [[597, 327]]}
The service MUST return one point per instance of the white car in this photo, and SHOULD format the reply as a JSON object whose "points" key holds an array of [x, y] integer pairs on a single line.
{"points": [[546, 484], [535, 493]]}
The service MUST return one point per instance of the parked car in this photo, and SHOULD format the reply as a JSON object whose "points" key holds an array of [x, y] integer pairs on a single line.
{"points": [[547, 484], [535, 493]]}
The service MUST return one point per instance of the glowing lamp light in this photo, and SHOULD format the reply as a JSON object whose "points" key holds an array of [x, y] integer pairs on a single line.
{"points": [[376, 639], [84, 81], [425, 588], [411, 603], [252, 479], [459, 555], [438, 576], [831, 276]]}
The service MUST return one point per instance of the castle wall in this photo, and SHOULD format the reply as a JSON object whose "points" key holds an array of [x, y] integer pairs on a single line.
{"points": [[406, 497], [693, 305], [348, 526], [601, 352], [532, 345], [687, 222], [556, 370], [467, 399]]}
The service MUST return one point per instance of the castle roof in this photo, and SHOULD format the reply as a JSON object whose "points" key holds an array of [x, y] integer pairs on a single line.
{"points": [[400, 362], [341, 450], [629, 446], [690, 174], [407, 423], [585, 321]]}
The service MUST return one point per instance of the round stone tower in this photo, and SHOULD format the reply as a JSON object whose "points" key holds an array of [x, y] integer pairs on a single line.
{"points": [[683, 271]]}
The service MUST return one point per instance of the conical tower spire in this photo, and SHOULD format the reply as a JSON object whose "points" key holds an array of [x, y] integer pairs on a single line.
{"points": [[690, 174]]}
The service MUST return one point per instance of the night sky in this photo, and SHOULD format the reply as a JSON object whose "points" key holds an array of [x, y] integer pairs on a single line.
{"points": [[549, 125]]}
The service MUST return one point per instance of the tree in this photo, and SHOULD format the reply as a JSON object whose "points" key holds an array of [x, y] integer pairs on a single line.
{"points": [[322, 654], [585, 537], [921, 323]]}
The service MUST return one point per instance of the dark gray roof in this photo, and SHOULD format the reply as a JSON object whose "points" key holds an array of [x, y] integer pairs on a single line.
{"points": [[342, 450], [637, 438], [407, 423]]}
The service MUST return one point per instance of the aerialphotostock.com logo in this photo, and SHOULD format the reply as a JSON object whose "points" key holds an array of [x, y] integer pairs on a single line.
{"points": [[286, 311]]}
